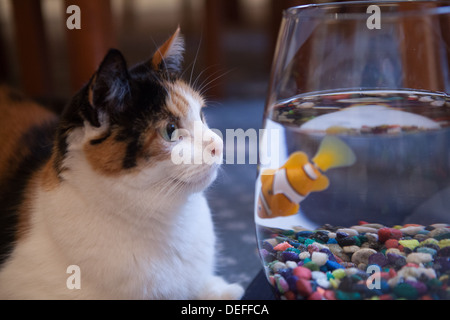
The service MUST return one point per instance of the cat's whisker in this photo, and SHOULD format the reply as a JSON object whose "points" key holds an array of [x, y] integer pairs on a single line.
{"points": [[196, 57], [204, 87], [195, 84]]}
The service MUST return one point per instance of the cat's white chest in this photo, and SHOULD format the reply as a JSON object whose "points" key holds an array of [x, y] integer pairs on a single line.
{"points": [[155, 258]]}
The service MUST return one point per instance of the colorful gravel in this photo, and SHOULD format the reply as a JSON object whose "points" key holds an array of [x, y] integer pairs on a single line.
{"points": [[365, 261]]}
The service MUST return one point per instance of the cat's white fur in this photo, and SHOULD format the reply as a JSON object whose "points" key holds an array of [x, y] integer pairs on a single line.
{"points": [[136, 236]]}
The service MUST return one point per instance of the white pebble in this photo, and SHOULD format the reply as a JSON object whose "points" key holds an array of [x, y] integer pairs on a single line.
{"points": [[319, 258], [372, 237], [316, 275], [412, 230], [306, 105], [351, 271], [363, 229], [324, 283], [438, 103], [405, 272], [277, 266], [304, 255], [419, 257], [272, 241], [426, 99], [291, 264], [350, 232], [350, 249]]}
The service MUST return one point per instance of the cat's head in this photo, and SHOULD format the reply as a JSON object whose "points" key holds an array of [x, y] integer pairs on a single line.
{"points": [[132, 124]]}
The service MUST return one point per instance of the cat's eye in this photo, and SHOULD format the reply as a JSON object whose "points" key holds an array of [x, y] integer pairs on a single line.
{"points": [[168, 132]]}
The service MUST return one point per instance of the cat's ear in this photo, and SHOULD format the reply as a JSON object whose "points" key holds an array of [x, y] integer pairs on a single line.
{"points": [[169, 57], [109, 88]]}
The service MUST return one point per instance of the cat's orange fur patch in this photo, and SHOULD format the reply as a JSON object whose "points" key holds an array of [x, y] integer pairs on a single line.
{"points": [[107, 157], [177, 102], [17, 116], [48, 175], [164, 50]]}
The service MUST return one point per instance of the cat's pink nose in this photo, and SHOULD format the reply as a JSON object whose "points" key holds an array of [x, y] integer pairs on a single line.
{"points": [[217, 147]]}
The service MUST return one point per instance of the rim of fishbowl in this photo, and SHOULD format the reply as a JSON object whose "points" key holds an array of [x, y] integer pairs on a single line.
{"points": [[307, 10]]}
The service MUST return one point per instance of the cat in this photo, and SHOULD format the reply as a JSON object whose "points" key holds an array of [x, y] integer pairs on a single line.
{"points": [[96, 189]]}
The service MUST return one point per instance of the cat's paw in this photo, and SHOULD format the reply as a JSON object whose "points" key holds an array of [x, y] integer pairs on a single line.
{"points": [[232, 291], [218, 289]]}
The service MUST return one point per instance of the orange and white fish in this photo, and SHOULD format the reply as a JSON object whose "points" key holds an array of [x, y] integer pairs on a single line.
{"points": [[283, 189]]}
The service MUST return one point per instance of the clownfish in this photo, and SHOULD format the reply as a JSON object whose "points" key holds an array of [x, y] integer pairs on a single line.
{"points": [[283, 189]]}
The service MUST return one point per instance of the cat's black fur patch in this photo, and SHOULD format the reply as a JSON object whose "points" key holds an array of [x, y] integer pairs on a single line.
{"points": [[139, 105], [39, 141]]}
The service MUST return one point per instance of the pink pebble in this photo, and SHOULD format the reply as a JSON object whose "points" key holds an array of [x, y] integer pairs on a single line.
{"points": [[315, 296], [304, 287], [282, 246], [329, 295], [302, 272]]}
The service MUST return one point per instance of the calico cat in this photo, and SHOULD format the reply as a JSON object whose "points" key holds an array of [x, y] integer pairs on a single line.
{"points": [[97, 189]]}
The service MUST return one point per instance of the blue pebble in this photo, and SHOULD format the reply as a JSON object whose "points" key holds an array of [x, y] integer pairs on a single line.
{"points": [[331, 241], [304, 234], [266, 245], [323, 268], [285, 272], [384, 286], [333, 265], [329, 254], [290, 256], [291, 281]]}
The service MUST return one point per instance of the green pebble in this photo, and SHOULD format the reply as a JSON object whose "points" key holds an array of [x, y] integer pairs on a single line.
{"points": [[357, 241], [293, 250], [288, 232], [411, 244], [330, 275], [341, 295], [311, 266], [442, 236], [405, 290], [434, 283], [444, 243], [339, 273], [429, 241], [362, 238], [306, 260], [301, 239], [309, 241]]}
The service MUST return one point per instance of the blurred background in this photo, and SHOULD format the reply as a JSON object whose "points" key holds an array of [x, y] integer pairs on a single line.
{"points": [[229, 47]]}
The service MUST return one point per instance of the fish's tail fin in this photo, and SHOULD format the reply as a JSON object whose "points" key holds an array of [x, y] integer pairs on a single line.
{"points": [[333, 153]]}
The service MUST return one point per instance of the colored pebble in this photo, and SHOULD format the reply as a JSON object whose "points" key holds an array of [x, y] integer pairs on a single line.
{"points": [[388, 233], [319, 258], [302, 272], [339, 273], [419, 257], [282, 246], [331, 263], [411, 244]]}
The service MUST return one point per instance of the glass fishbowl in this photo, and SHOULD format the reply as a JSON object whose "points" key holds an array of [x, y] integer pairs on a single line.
{"points": [[353, 190]]}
